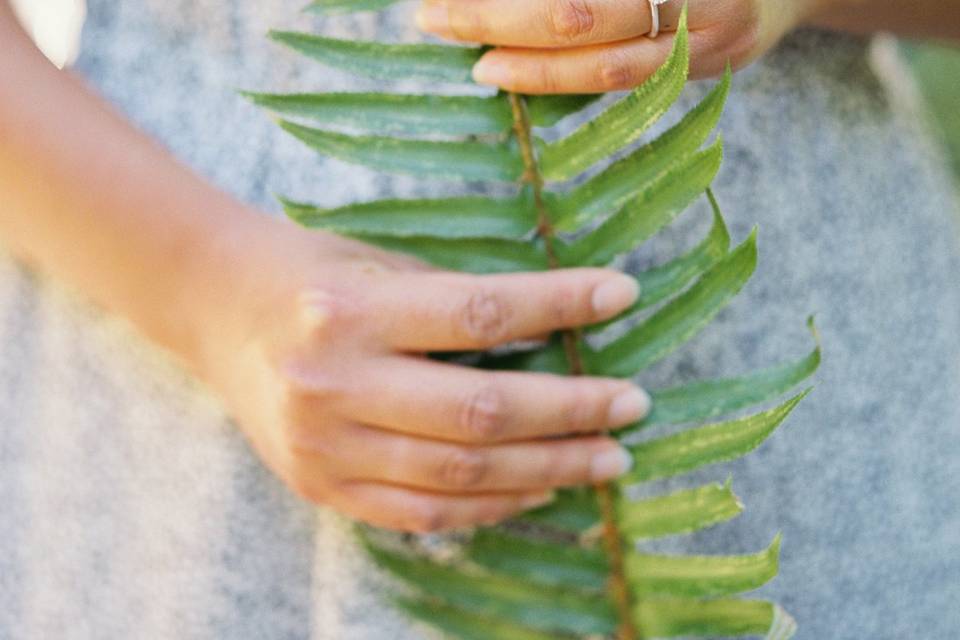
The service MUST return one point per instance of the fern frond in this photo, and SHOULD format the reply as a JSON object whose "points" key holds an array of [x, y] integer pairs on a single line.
{"points": [[545, 574]]}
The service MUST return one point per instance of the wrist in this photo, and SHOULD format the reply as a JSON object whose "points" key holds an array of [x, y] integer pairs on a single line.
{"points": [[202, 309]]}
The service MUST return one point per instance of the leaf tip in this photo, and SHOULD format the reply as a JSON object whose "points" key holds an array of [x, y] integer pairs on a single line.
{"points": [[773, 550]]}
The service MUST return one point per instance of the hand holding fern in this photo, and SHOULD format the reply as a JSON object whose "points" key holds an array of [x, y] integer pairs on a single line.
{"points": [[319, 358], [593, 46]]}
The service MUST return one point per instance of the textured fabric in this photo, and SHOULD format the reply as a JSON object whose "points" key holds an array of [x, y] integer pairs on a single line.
{"points": [[131, 508]]}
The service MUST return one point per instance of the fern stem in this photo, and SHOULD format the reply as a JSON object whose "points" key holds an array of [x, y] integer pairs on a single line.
{"points": [[613, 541]]}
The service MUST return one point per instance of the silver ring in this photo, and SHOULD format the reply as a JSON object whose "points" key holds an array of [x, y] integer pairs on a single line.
{"points": [[655, 17]]}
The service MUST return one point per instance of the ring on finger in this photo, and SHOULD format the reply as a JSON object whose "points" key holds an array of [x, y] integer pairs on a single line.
{"points": [[655, 17]]}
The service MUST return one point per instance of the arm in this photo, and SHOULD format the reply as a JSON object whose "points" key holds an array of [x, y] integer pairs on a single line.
{"points": [[912, 18], [314, 342], [75, 178], [590, 46]]}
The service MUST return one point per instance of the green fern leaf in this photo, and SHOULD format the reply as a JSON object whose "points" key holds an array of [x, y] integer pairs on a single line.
{"points": [[429, 62], [540, 561], [609, 190], [714, 443], [546, 111], [333, 7], [463, 160], [468, 626], [574, 511], [469, 217], [680, 618], [518, 601], [681, 318], [701, 576], [648, 213], [705, 400], [472, 255], [392, 113], [681, 512]]}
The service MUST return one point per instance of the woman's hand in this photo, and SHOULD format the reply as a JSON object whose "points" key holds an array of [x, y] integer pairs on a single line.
{"points": [[593, 46], [316, 343]]}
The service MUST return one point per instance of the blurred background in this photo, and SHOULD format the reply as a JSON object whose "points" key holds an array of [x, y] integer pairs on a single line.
{"points": [[56, 24]]}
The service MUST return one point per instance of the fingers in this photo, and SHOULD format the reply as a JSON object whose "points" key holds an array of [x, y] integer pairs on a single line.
{"points": [[448, 311], [594, 69], [536, 23], [405, 509], [459, 404], [594, 46], [366, 453]]}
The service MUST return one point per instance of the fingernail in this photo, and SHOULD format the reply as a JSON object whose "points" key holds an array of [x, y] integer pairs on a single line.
{"points": [[491, 71], [615, 295], [610, 464], [434, 17], [629, 406], [538, 500]]}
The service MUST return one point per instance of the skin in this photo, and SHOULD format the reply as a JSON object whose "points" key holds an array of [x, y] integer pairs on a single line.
{"points": [[593, 46], [315, 343]]}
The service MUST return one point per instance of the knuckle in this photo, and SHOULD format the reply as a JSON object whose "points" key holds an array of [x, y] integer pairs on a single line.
{"points": [[484, 317], [563, 305], [464, 468], [304, 386], [482, 415], [584, 410], [320, 311], [617, 71], [545, 78], [570, 19]]}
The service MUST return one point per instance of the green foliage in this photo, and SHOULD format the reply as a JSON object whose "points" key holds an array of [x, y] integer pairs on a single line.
{"points": [[937, 68], [546, 574]]}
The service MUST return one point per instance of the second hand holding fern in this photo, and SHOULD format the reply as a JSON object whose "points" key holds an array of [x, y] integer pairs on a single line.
{"points": [[318, 361]]}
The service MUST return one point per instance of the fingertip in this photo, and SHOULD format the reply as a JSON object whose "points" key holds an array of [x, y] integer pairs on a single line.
{"points": [[628, 407], [611, 464], [614, 295], [491, 70]]}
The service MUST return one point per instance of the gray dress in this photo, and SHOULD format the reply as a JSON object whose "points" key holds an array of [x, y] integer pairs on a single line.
{"points": [[130, 507]]}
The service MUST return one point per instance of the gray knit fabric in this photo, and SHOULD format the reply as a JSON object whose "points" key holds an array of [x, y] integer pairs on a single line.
{"points": [[132, 508]]}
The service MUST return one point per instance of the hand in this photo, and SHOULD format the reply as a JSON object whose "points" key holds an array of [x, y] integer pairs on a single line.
{"points": [[316, 343], [594, 46]]}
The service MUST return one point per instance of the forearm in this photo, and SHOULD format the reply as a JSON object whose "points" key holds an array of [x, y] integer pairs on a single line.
{"points": [[912, 18], [90, 200]]}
